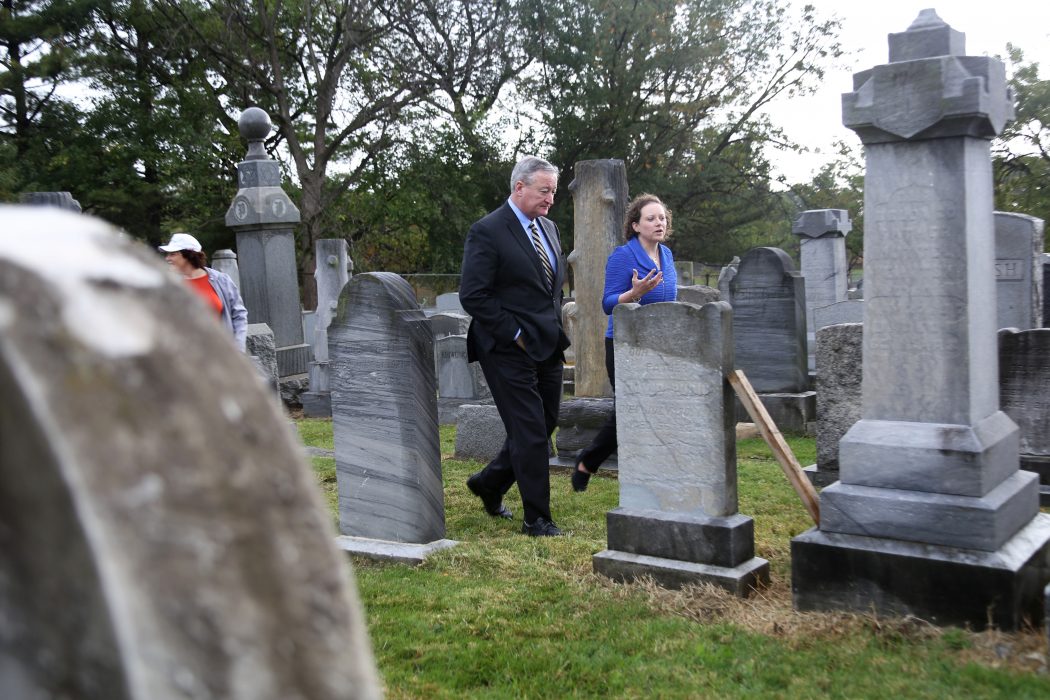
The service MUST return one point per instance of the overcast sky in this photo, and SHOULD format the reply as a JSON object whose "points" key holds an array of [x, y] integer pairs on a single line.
{"points": [[816, 121]]}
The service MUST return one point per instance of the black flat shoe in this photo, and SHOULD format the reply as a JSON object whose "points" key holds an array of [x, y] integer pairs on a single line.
{"points": [[541, 528], [492, 500], [580, 479]]}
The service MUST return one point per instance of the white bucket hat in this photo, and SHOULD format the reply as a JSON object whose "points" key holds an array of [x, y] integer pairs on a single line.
{"points": [[181, 241]]}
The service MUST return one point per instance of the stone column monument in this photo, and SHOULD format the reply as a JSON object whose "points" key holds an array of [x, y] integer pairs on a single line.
{"points": [[263, 216], [822, 234], [599, 195], [931, 516], [332, 273]]}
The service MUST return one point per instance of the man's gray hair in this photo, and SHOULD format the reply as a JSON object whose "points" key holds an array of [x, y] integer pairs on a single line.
{"points": [[529, 166]]}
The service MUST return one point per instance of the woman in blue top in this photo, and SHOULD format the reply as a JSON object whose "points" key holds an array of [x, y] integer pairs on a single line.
{"points": [[640, 272]]}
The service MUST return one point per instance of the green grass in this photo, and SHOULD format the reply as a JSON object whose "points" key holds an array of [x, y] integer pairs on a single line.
{"points": [[506, 616]]}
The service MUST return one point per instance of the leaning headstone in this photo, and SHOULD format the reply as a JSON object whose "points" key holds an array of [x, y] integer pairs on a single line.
{"points": [[839, 375], [698, 294], [259, 345], [822, 245], [60, 200], [1018, 270], [684, 272], [769, 331], [263, 217], [599, 195], [188, 553], [725, 279], [1024, 393], [225, 260], [678, 520], [931, 516], [332, 272], [385, 423], [449, 302]]}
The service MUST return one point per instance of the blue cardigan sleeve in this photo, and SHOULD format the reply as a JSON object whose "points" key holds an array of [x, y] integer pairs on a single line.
{"points": [[619, 270]]}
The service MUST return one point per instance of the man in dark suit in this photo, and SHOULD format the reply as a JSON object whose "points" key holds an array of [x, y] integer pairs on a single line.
{"points": [[512, 278]]}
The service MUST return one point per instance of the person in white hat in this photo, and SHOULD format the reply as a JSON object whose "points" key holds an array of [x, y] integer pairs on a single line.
{"points": [[216, 288]]}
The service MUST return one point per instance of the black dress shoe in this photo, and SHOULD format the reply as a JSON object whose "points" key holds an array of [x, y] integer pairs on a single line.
{"points": [[580, 479], [492, 500], [541, 528]]}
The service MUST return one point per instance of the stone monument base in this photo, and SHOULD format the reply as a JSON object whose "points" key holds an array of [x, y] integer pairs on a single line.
{"points": [[943, 585], [396, 552], [677, 549], [316, 404], [1041, 466], [790, 412], [579, 420], [821, 477]]}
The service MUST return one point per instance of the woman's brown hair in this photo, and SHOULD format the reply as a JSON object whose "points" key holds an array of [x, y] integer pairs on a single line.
{"points": [[195, 258], [634, 214]]}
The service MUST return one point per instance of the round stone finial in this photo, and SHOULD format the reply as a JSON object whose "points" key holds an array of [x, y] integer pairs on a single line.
{"points": [[254, 124]]}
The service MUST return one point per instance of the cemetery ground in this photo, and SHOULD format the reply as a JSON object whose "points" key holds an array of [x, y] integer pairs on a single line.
{"points": [[507, 616]]}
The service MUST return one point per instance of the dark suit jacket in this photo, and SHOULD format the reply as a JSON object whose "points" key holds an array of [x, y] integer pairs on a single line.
{"points": [[502, 287]]}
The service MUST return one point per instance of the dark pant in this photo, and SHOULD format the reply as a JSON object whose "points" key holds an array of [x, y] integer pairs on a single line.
{"points": [[604, 443], [527, 395]]}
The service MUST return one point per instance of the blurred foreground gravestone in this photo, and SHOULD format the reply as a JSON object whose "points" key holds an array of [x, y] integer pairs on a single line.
{"points": [[161, 535]]}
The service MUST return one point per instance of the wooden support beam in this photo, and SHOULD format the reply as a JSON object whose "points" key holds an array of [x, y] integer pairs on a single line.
{"points": [[781, 450]]}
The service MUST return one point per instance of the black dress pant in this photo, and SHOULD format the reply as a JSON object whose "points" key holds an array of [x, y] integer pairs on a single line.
{"points": [[527, 395], [604, 443]]}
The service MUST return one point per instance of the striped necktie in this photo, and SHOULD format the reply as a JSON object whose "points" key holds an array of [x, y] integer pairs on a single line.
{"points": [[548, 271]]}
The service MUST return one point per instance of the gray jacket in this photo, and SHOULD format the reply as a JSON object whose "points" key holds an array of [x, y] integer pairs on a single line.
{"points": [[234, 315]]}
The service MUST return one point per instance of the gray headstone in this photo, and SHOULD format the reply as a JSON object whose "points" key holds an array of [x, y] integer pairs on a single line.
{"points": [[822, 252], [930, 494], [725, 279], [684, 272], [185, 554], [1018, 270], [449, 323], [1024, 386], [225, 260], [332, 272], [457, 379], [384, 413], [480, 433], [1046, 289], [569, 316], [839, 363], [263, 217], [678, 519], [260, 346], [849, 311], [449, 302], [698, 294], [769, 322], [60, 200]]}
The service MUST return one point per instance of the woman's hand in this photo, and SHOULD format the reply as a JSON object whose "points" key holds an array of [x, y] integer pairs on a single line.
{"points": [[641, 287]]}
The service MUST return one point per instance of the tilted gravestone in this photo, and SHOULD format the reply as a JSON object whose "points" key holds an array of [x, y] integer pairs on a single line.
{"points": [[263, 217], [678, 520], [931, 515], [1018, 270], [599, 196], [332, 272], [1024, 393], [385, 422], [769, 336], [822, 254], [161, 534], [839, 379]]}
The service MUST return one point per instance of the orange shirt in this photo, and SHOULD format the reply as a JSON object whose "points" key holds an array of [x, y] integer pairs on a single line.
{"points": [[202, 286]]}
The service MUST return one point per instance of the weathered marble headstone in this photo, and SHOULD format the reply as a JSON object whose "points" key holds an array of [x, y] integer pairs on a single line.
{"points": [[384, 417], [449, 323], [1024, 394], [678, 520], [822, 244], [259, 345], [161, 534], [725, 279], [449, 302], [684, 271], [839, 374], [1018, 270], [332, 272], [457, 379], [60, 200], [698, 294], [769, 331], [599, 195], [225, 260], [263, 217], [931, 516], [480, 432]]}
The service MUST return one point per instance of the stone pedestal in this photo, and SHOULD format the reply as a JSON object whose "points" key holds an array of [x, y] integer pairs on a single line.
{"points": [[263, 218], [678, 519], [599, 195], [933, 463]]}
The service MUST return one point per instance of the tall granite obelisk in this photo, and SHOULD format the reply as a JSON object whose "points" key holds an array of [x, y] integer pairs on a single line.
{"points": [[263, 216], [932, 516]]}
